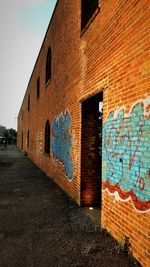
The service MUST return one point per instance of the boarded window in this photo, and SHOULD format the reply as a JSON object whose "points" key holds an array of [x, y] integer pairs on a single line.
{"points": [[88, 8], [47, 137], [48, 66]]}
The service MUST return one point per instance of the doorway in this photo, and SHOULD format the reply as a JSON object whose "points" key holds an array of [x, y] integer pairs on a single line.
{"points": [[22, 140], [91, 152]]}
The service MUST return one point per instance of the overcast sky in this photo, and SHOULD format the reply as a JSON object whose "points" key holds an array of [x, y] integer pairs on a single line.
{"points": [[23, 25]]}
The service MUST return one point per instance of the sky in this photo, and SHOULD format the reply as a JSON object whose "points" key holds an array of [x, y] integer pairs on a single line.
{"points": [[23, 24]]}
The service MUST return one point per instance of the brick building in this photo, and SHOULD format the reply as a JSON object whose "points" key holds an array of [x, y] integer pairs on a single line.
{"points": [[85, 117]]}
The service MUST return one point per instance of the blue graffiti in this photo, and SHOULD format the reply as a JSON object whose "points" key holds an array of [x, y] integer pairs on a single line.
{"points": [[126, 152], [62, 142]]}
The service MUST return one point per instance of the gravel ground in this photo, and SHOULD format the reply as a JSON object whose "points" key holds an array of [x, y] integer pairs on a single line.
{"points": [[41, 226]]}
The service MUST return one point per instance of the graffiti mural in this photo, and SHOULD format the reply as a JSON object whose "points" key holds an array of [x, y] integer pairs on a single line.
{"points": [[126, 155], [62, 142]]}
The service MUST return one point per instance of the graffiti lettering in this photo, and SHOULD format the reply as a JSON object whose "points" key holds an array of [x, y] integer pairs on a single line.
{"points": [[126, 152], [62, 142]]}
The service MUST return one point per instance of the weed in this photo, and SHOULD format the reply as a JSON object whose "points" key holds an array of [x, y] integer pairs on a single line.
{"points": [[124, 245], [25, 153]]}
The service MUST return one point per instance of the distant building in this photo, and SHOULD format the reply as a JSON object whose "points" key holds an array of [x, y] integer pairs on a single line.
{"points": [[85, 117], [2, 130]]}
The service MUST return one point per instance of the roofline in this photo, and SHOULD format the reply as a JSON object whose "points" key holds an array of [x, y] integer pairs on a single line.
{"points": [[39, 54]]}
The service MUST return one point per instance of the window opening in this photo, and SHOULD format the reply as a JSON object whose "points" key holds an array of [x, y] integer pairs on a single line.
{"points": [[28, 102], [88, 8], [48, 66]]}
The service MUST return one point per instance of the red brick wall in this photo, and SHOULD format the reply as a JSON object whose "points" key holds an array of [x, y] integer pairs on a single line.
{"points": [[111, 55]]}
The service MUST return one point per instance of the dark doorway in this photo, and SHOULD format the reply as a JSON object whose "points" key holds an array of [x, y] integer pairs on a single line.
{"points": [[91, 151], [22, 141], [47, 138], [28, 139]]}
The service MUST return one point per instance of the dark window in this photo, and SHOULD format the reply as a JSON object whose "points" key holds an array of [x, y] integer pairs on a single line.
{"points": [[47, 138], [48, 66], [88, 8], [38, 87], [28, 102], [22, 115], [28, 138]]}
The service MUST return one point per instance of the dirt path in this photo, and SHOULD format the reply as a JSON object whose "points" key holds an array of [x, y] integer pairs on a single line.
{"points": [[41, 226]]}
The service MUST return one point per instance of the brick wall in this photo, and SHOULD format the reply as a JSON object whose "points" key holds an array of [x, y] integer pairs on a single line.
{"points": [[112, 56]]}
